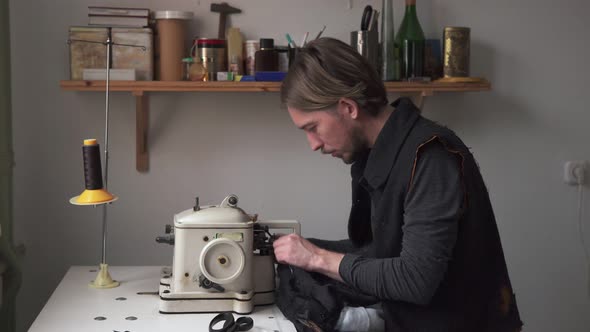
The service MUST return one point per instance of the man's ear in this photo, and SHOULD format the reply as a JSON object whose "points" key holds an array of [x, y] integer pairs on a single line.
{"points": [[348, 107]]}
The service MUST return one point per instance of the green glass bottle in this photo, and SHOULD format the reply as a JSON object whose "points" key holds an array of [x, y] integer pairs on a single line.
{"points": [[410, 43]]}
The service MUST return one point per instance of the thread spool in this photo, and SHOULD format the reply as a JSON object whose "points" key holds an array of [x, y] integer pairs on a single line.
{"points": [[92, 166], [95, 193]]}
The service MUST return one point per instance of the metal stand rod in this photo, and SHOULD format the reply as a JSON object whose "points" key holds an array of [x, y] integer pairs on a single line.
{"points": [[104, 233], [109, 43], [106, 153]]}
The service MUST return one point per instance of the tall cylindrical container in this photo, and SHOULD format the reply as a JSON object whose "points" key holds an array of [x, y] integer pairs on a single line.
{"points": [[366, 43], [250, 49], [387, 42], [456, 51], [235, 51], [170, 43]]}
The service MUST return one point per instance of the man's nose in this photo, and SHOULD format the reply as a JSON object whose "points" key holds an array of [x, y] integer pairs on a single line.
{"points": [[314, 142]]}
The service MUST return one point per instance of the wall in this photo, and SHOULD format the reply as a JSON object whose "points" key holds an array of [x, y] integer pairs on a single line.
{"points": [[212, 144]]}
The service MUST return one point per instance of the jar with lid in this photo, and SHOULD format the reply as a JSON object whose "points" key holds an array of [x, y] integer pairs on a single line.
{"points": [[212, 54], [267, 58]]}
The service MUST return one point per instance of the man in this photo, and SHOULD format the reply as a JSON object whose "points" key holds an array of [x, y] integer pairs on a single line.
{"points": [[422, 234]]}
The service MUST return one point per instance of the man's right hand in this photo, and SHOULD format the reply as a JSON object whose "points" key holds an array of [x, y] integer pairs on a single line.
{"points": [[295, 250]]}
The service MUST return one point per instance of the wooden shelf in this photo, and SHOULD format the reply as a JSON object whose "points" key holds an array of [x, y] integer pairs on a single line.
{"points": [[139, 89]]}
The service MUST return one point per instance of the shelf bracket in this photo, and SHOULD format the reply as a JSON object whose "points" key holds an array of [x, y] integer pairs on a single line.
{"points": [[141, 131], [419, 97]]}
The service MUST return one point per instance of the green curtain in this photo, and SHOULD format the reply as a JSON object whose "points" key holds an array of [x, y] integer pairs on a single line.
{"points": [[9, 267]]}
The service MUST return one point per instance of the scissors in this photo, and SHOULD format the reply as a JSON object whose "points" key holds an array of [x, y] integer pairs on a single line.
{"points": [[231, 325], [367, 13]]}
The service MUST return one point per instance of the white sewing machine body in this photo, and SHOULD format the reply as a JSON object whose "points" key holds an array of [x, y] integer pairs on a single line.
{"points": [[222, 261]]}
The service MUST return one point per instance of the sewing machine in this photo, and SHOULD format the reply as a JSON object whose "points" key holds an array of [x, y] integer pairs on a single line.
{"points": [[223, 260]]}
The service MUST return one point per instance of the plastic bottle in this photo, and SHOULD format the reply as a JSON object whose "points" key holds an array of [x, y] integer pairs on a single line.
{"points": [[235, 49]]}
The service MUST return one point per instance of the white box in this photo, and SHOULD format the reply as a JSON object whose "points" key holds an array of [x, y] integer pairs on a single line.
{"points": [[96, 74]]}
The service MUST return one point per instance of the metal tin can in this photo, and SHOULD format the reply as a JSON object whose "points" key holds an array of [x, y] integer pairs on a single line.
{"points": [[87, 55], [250, 48], [212, 55], [125, 57], [367, 44], [456, 51], [283, 52]]}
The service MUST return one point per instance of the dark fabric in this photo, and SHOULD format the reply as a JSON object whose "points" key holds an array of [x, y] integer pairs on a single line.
{"points": [[312, 301], [462, 280]]}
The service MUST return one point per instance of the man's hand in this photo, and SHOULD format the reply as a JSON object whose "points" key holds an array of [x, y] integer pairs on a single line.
{"points": [[294, 250]]}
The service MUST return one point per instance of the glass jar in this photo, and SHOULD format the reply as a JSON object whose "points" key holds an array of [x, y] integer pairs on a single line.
{"points": [[208, 65], [267, 58], [197, 71], [186, 68]]}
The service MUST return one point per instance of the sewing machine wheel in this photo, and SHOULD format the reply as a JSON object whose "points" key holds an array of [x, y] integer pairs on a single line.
{"points": [[222, 261]]}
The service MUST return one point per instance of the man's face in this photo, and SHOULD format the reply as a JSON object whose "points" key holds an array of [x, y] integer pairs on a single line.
{"points": [[335, 132]]}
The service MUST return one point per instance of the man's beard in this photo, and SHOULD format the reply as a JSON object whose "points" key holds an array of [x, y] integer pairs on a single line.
{"points": [[357, 146]]}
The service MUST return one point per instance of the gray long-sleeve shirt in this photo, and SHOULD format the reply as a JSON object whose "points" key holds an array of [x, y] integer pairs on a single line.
{"points": [[432, 209]]}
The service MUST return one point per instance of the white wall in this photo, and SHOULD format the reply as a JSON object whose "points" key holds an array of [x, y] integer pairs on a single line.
{"points": [[213, 144]]}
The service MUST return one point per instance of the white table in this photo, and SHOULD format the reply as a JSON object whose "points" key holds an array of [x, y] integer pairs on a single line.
{"points": [[74, 306]]}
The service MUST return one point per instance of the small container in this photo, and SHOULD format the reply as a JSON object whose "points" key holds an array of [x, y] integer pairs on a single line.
{"points": [[267, 58], [186, 68], [234, 66], [197, 70], [456, 42], [293, 51], [250, 49], [212, 54], [432, 59], [367, 44], [270, 76], [208, 64], [224, 76], [283, 52]]}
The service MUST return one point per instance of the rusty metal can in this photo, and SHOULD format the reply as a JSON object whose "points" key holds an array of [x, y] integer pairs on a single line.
{"points": [[456, 42]]}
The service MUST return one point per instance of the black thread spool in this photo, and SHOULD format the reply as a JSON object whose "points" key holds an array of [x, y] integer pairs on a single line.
{"points": [[95, 193], [92, 165]]}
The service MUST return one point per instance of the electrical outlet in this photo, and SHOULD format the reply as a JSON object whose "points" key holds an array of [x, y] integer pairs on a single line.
{"points": [[574, 172]]}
